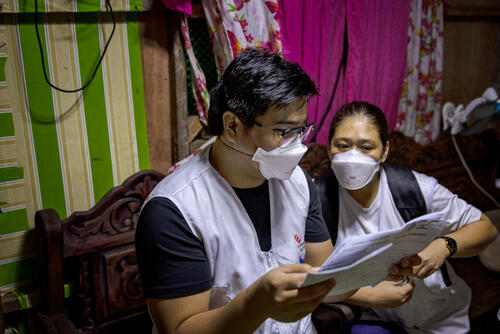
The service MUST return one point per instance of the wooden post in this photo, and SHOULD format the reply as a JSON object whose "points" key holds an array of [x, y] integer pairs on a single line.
{"points": [[158, 100], [2, 322], [177, 71]]}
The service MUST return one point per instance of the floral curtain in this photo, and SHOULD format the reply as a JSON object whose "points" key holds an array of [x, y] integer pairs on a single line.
{"points": [[420, 103], [237, 24], [200, 91], [233, 26]]}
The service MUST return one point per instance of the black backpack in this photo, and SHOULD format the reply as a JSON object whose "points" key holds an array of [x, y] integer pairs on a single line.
{"points": [[405, 192]]}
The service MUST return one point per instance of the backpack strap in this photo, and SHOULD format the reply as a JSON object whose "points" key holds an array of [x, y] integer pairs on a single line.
{"points": [[327, 187], [405, 192], [408, 198]]}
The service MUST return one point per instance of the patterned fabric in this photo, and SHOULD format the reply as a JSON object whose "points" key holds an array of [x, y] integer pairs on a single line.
{"points": [[65, 151], [238, 24], [200, 91], [233, 26], [420, 103]]}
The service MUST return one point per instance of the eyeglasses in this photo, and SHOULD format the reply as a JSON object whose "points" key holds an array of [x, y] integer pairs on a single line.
{"points": [[288, 135]]}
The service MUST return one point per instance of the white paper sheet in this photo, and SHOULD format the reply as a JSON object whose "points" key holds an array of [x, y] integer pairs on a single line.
{"points": [[366, 259]]}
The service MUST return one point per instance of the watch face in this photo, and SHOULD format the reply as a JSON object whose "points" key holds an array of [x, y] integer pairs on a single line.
{"points": [[452, 243]]}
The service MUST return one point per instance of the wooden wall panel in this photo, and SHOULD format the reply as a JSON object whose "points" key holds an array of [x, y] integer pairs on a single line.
{"points": [[471, 49]]}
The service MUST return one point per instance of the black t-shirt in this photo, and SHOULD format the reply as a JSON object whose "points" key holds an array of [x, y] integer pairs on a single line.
{"points": [[172, 261]]}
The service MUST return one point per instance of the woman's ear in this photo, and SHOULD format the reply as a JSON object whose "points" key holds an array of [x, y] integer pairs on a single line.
{"points": [[230, 125], [386, 152]]}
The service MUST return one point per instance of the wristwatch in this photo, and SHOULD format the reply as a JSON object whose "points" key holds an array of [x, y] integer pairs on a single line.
{"points": [[451, 244]]}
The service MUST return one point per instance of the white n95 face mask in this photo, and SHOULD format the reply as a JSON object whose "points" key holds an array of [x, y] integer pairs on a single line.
{"points": [[279, 163], [353, 169]]}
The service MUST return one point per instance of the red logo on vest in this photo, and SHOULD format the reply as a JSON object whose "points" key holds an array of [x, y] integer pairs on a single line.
{"points": [[300, 243]]}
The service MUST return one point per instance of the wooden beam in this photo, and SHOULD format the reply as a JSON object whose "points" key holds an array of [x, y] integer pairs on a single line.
{"points": [[177, 70], [193, 146], [197, 12], [2, 322], [157, 83], [194, 127], [147, 4], [486, 12]]}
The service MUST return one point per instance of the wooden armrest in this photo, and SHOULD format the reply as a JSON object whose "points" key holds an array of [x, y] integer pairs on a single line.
{"points": [[334, 318], [57, 324]]}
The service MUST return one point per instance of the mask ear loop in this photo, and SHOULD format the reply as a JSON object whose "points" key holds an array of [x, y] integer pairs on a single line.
{"points": [[235, 149], [252, 139]]}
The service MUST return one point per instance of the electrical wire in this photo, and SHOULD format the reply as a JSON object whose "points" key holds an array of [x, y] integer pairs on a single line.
{"points": [[110, 9], [470, 173]]}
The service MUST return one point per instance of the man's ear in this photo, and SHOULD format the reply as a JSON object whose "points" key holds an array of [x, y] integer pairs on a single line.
{"points": [[231, 125], [386, 152]]}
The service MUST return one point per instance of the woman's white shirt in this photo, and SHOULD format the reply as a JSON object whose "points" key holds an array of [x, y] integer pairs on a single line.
{"points": [[434, 307], [383, 214]]}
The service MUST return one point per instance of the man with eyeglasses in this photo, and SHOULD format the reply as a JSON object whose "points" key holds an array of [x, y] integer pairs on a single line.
{"points": [[224, 243]]}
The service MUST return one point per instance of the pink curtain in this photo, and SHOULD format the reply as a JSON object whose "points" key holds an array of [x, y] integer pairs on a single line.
{"points": [[313, 33], [183, 6]]}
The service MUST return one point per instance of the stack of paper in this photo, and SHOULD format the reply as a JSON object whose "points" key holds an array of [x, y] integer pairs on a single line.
{"points": [[366, 259]]}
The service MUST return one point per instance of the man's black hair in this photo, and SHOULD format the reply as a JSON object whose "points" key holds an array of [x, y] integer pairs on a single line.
{"points": [[254, 81]]}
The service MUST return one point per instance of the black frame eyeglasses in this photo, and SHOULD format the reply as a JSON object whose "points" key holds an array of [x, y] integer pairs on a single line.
{"points": [[288, 134]]}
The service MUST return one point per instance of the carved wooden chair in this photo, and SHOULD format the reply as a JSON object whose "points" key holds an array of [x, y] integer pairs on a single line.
{"points": [[92, 254]]}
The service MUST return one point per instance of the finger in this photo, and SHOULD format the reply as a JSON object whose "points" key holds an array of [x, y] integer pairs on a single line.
{"points": [[309, 293], [298, 297], [411, 281], [397, 280], [400, 282], [411, 261], [417, 269], [420, 273], [408, 296], [290, 281], [296, 268], [315, 291], [407, 288], [424, 272]]}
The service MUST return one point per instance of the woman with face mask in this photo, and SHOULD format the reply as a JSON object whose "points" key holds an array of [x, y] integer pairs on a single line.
{"points": [[431, 300]]}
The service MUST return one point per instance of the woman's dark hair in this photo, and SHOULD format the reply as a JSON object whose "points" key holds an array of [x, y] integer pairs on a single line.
{"points": [[372, 112], [254, 81]]}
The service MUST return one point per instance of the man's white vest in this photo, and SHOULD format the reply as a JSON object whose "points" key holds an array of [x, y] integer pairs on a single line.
{"points": [[216, 216]]}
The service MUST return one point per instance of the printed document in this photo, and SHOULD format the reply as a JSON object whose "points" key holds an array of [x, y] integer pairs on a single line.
{"points": [[366, 259]]}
